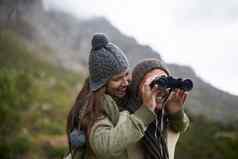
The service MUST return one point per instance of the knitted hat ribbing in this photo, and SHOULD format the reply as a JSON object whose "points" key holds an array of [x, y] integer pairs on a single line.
{"points": [[140, 71]]}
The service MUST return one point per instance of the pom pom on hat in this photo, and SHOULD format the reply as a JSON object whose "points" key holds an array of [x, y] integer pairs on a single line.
{"points": [[99, 41]]}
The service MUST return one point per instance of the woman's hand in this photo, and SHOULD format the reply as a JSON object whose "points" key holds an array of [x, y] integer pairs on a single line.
{"points": [[176, 101]]}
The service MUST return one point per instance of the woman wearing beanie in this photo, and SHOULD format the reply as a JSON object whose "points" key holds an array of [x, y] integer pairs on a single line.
{"points": [[96, 119], [162, 134]]}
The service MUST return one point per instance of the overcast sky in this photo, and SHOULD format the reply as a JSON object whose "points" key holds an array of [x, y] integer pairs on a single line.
{"points": [[200, 33]]}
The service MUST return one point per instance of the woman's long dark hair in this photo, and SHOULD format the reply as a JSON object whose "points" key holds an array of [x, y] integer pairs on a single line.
{"points": [[85, 111]]}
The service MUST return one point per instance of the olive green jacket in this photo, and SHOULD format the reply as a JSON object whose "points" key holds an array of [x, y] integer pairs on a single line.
{"points": [[117, 135]]}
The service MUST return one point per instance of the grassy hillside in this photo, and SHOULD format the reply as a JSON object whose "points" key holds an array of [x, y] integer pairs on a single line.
{"points": [[207, 139], [35, 98]]}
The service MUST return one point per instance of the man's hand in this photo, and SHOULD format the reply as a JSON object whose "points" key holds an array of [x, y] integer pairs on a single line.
{"points": [[149, 96], [176, 101]]}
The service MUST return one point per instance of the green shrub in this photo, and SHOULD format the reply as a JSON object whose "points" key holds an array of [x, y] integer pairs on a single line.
{"points": [[55, 152], [14, 100]]}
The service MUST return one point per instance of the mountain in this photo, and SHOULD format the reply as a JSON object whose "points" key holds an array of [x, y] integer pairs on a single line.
{"points": [[206, 99], [69, 40]]}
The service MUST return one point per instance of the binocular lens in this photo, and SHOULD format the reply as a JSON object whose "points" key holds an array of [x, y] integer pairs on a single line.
{"points": [[170, 82], [188, 85]]}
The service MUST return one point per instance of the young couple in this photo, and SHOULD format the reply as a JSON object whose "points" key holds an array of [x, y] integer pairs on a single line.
{"points": [[121, 116]]}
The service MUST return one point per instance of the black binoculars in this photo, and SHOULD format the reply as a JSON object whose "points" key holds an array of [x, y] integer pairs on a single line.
{"points": [[173, 83]]}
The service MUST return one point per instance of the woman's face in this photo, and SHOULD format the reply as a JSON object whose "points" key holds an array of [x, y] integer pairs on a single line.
{"points": [[118, 85], [149, 77]]}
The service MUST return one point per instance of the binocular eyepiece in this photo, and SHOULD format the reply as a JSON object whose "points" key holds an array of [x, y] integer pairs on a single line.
{"points": [[170, 82]]}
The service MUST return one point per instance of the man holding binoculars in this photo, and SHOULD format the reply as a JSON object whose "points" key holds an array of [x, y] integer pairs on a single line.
{"points": [[162, 134]]}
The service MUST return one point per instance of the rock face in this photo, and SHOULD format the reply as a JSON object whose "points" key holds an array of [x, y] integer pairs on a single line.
{"points": [[13, 10], [70, 38], [15, 14]]}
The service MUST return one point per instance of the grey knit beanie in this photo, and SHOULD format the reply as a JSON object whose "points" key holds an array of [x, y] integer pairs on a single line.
{"points": [[105, 61], [140, 71]]}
